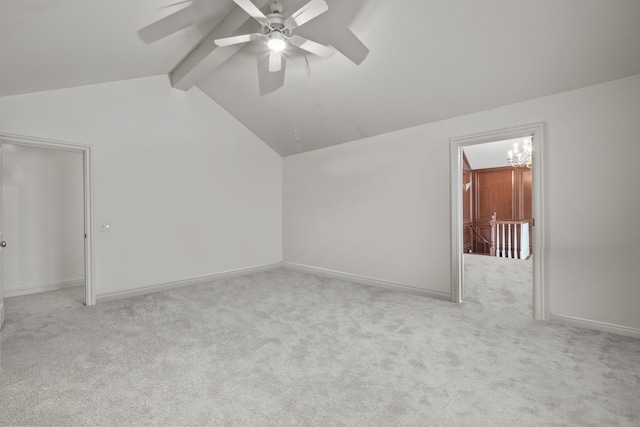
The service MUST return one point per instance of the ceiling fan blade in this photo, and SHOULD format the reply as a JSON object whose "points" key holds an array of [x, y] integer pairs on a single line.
{"points": [[275, 61], [306, 13], [253, 11], [175, 4], [311, 46], [350, 46], [269, 81], [170, 24], [228, 41]]}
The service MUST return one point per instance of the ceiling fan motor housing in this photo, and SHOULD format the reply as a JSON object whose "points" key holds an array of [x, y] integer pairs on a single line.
{"points": [[276, 8], [277, 23]]}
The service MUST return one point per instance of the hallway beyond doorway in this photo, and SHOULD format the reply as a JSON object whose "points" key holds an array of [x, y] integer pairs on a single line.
{"points": [[502, 284]]}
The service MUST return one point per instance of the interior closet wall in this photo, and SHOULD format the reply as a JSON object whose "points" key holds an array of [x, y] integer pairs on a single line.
{"points": [[44, 219]]}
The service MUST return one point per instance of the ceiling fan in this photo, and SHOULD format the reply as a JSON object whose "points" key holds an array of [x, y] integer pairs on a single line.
{"points": [[277, 30]]}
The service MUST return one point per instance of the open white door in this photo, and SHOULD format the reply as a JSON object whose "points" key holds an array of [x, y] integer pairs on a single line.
{"points": [[2, 246]]}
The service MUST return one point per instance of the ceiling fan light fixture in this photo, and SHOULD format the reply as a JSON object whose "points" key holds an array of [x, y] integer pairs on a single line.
{"points": [[276, 42]]}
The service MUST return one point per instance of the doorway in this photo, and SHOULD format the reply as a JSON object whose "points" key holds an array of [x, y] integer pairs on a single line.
{"points": [[84, 220], [536, 132]]}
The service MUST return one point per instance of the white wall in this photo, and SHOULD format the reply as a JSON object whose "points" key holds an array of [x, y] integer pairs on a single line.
{"points": [[187, 190], [380, 207], [43, 219]]}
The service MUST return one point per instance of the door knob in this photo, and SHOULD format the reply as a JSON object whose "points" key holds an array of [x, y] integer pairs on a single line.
{"points": [[3, 244]]}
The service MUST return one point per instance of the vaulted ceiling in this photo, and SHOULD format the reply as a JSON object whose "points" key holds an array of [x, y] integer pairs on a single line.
{"points": [[428, 60]]}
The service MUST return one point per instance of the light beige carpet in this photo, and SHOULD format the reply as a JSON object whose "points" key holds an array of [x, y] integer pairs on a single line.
{"points": [[286, 348]]}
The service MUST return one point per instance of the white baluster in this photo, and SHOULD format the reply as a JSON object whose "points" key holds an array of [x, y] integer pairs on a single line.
{"points": [[503, 245], [515, 241], [524, 242], [509, 241]]}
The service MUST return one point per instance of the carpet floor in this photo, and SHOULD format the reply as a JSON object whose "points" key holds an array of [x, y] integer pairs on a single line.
{"points": [[284, 348]]}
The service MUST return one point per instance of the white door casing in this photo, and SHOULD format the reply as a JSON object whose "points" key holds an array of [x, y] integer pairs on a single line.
{"points": [[87, 154], [540, 281], [1, 246]]}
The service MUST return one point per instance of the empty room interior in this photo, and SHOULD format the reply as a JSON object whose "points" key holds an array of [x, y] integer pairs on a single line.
{"points": [[319, 212]]}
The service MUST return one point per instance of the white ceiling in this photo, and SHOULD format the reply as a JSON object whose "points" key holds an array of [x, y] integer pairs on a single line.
{"points": [[429, 59], [491, 154]]}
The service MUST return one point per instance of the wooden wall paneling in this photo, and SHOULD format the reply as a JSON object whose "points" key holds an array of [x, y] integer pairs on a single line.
{"points": [[506, 191], [527, 198], [467, 237], [480, 246], [525, 190], [495, 191]]}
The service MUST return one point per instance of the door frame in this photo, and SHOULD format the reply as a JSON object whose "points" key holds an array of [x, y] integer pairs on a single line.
{"points": [[540, 261], [87, 161]]}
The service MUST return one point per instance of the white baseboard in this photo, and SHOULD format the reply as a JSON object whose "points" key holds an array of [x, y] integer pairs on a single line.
{"points": [[34, 289], [348, 277], [186, 282], [598, 326]]}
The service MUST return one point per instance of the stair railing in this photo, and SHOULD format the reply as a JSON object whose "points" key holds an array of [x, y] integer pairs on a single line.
{"points": [[509, 239]]}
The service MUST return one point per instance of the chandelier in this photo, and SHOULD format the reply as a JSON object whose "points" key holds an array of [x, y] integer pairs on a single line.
{"points": [[521, 156]]}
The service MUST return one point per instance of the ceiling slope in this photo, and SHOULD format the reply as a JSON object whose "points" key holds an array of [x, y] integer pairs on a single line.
{"points": [[427, 60]]}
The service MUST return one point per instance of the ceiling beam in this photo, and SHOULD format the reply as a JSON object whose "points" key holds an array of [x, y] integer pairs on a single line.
{"points": [[207, 56]]}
